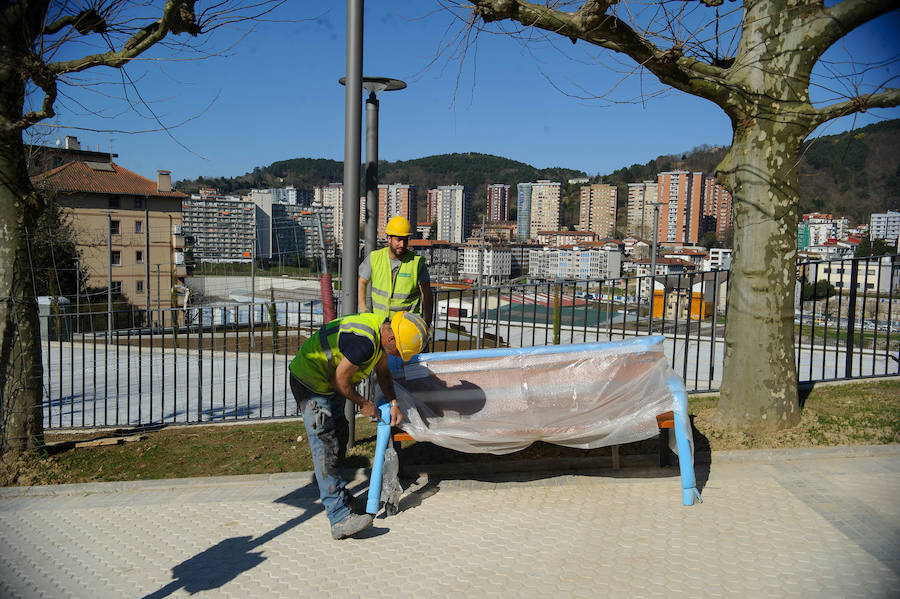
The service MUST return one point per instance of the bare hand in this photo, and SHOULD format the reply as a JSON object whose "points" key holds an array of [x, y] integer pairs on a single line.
{"points": [[396, 416], [368, 410]]}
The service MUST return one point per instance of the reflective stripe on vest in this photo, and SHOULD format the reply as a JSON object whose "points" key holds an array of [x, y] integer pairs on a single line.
{"points": [[392, 294], [317, 361]]}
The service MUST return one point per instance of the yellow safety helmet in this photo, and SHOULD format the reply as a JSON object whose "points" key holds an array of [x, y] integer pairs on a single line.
{"points": [[398, 227], [410, 333]]}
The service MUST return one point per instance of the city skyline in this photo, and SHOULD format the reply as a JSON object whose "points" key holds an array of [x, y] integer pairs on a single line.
{"points": [[275, 96]]}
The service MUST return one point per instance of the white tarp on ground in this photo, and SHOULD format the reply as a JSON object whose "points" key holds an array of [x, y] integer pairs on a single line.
{"points": [[502, 400]]}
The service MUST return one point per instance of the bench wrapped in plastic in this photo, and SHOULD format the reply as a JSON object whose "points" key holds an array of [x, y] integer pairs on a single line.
{"points": [[586, 396]]}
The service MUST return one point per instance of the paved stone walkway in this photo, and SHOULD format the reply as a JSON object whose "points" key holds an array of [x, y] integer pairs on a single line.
{"points": [[810, 523]]}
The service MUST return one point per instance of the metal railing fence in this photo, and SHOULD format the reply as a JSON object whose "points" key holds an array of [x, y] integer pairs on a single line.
{"points": [[230, 362]]}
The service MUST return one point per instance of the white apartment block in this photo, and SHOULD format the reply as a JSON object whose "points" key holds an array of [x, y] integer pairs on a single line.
{"points": [[496, 262], [454, 213], [574, 263], [641, 197], [885, 225], [538, 207], [815, 229], [718, 259], [331, 196], [598, 209], [223, 227]]}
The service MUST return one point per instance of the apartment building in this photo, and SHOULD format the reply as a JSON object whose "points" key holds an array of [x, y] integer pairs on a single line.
{"points": [[442, 258], [431, 205], [641, 197], [496, 262], [128, 228], [538, 207], [454, 221], [597, 211], [331, 198], [223, 228], [681, 196], [815, 229], [574, 262], [717, 209], [497, 202], [885, 225], [557, 238], [397, 199], [496, 231]]}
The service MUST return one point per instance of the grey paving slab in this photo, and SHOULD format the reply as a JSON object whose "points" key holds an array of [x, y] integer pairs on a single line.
{"points": [[822, 525]]}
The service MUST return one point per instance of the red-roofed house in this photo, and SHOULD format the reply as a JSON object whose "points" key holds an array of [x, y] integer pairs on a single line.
{"points": [[142, 257]]}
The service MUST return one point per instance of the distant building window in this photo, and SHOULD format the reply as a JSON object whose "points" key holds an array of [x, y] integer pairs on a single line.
{"points": [[115, 258], [114, 227], [138, 202], [140, 287], [138, 226], [116, 287], [114, 202], [139, 257]]}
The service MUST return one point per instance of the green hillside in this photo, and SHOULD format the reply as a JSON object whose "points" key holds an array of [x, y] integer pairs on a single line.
{"points": [[851, 174]]}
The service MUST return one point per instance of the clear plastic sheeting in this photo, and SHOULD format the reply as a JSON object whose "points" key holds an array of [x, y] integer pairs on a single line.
{"points": [[503, 400]]}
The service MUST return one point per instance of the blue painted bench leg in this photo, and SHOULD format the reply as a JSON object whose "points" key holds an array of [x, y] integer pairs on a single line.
{"points": [[689, 491], [382, 438]]}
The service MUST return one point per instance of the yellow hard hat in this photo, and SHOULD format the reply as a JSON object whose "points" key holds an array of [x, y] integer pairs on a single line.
{"points": [[398, 227], [410, 332]]}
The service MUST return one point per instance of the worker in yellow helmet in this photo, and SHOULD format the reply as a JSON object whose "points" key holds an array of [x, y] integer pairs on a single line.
{"points": [[339, 355], [399, 277]]}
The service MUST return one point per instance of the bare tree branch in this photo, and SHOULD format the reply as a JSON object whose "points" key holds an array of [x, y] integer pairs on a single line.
{"points": [[831, 24], [885, 99], [178, 17], [590, 23]]}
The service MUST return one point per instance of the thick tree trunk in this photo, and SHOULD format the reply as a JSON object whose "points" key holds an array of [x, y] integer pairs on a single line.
{"points": [[21, 372], [759, 381]]}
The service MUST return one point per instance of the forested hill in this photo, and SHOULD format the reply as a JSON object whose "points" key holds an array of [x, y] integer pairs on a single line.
{"points": [[851, 174], [471, 169]]}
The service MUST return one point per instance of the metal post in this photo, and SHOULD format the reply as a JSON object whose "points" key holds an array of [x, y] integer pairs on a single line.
{"points": [[653, 265], [480, 271], [78, 293], [352, 127], [371, 172], [109, 317], [147, 253], [352, 131], [158, 305], [851, 316], [252, 284]]}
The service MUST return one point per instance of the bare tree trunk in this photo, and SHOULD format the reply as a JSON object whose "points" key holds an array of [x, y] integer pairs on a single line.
{"points": [[759, 382], [20, 349]]}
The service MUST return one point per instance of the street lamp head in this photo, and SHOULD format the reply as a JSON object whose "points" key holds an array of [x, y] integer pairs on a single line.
{"points": [[376, 85]]}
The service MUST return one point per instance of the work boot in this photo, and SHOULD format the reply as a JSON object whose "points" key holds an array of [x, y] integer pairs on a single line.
{"points": [[350, 525]]}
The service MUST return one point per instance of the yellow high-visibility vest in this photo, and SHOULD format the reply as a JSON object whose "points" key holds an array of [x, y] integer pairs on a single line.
{"points": [[392, 294], [319, 356]]}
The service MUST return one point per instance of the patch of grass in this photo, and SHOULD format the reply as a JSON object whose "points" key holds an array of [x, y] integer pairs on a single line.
{"points": [[852, 414]]}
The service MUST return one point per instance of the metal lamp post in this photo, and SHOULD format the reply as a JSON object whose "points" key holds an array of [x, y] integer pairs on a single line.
{"points": [[374, 85], [653, 261]]}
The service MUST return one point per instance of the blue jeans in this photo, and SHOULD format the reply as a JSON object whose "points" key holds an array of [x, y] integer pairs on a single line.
{"points": [[328, 432]]}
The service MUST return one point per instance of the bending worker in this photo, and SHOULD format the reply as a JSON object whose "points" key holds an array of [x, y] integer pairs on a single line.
{"points": [[399, 277], [323, 373]]}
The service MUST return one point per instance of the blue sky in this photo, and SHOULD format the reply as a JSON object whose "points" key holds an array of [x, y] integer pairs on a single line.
{"points": [[276, 96]]}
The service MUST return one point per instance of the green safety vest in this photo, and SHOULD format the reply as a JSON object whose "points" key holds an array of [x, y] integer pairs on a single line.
{"points": [[319, 356], [395, 294]]}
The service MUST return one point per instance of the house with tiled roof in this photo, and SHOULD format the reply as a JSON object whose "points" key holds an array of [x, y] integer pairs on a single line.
{"points": [[128, 228]]}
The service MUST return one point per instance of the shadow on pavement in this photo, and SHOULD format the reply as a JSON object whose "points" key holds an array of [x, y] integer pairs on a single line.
{"points": [[231, 557]]}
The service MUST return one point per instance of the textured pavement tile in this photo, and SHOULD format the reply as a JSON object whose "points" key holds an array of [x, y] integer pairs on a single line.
{"points": [[763, 530]]}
